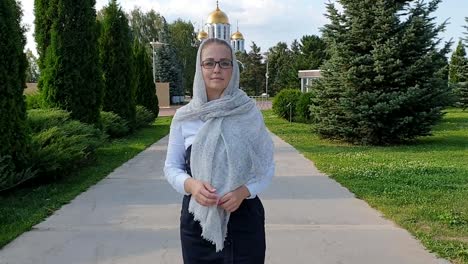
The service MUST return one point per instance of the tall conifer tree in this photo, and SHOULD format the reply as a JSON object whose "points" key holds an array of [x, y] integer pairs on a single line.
{"points": [[71, 78], [44, 13], [117, 63], [14, 137], [462, 87], [145, 94]]}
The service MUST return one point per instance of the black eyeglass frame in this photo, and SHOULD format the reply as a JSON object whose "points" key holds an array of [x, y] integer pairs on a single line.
{"points": [[217, 62]]}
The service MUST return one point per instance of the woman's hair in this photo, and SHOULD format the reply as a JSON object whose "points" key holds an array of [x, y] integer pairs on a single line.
{"points": [[210, 41]]}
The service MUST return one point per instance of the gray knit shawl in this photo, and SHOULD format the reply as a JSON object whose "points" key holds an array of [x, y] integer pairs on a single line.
{"points": [[233, 147]]}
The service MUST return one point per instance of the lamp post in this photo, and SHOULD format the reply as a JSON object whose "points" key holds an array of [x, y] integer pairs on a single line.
{"points": [[241, 64], [155, 45], [242, 68], [266, 73]]}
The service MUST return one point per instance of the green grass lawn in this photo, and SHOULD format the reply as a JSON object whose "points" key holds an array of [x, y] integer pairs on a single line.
{"points": [[423, 186], [27, 206]]}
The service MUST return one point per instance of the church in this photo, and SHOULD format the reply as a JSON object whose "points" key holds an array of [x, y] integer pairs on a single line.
{"points": [[217, 26]]}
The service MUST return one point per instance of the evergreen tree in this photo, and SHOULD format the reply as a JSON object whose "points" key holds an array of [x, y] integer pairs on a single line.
{"points": [[279, 68], [32, 72], [308, 54], [385, 81], [167, 70], [163, 64], [462, 89], [297, 61], [252, 79], [71, 78], [167, 66], [117, 63], [466, 32], [145, 93], [150, 26], [45, 11], [462, 93], [183, 40], [313, 50], [176, 79], [14, 137], [458, 63], [285, 64]]}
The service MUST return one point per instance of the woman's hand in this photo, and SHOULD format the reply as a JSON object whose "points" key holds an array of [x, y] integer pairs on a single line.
{"points": [[232, 200], [203, 192]]}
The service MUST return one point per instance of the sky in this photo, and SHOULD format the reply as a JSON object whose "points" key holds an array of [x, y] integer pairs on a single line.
{"points": [[266, 22]]}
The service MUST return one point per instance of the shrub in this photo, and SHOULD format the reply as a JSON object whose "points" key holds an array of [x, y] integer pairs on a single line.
{"points": [[113, 125], [144, 117], [42, 119], [303, 106], [34, 101], [281, 103], [10, 176], [63, 147]]}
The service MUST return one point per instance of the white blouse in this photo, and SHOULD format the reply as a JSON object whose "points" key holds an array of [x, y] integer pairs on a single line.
{"points": [[180, 138]]}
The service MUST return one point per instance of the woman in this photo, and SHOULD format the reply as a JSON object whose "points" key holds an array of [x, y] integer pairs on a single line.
{"points": [[220, 156]]}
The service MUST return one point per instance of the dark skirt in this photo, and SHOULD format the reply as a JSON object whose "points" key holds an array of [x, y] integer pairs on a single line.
{"points": [[245, 241]]}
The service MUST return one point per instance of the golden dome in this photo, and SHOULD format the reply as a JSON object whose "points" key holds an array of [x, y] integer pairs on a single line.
{"points": [[217, 17], [202, 35], [237, 35]]}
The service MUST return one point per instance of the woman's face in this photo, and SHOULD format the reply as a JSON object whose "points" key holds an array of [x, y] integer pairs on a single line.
{"points": [[217, 78]]}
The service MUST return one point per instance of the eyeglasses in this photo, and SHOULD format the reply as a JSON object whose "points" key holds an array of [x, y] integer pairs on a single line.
{"points": [[211, 64]]}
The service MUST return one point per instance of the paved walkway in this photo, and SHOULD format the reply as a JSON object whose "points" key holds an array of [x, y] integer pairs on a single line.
{"points": [[168, 111], [132, 217]]}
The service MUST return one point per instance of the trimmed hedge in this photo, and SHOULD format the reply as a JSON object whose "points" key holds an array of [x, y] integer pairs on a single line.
{"points": [[282, 100], [113, 125]]}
